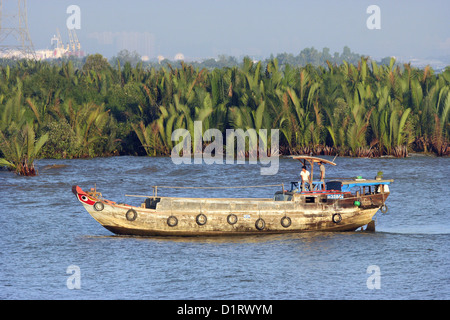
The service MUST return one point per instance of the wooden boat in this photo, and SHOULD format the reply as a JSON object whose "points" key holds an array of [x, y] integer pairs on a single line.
{"points": [[344, 205]]}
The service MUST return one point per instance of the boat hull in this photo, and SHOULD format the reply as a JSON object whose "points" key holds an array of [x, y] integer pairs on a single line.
{"points": [[226, 217]]}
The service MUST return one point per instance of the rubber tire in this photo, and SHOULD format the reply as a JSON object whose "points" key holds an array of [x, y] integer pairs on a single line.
{"points": [[232, 219], [98, 206], [260, 224], [286, 222], [385, 208], [172, 221], [336, 218], [131, 215], [201, 219]]}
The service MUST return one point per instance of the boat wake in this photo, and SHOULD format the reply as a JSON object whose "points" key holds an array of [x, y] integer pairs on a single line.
{"points": [[415, 232]]}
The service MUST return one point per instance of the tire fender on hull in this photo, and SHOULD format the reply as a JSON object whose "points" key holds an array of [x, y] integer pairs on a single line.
{"points": [[336, 218]]}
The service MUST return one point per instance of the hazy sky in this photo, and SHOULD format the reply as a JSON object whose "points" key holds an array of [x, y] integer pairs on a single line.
{"points": [[207, 28]]}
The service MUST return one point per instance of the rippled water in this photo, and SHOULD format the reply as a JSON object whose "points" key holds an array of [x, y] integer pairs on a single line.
{"points": [[44, 230]]}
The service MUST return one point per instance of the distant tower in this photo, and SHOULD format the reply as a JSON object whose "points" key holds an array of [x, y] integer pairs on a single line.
{"points": [[15, 39]]}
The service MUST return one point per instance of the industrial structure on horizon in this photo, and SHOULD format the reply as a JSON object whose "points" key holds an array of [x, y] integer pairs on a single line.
{"points": [[15, 40], [56, 50], [59, 50]]}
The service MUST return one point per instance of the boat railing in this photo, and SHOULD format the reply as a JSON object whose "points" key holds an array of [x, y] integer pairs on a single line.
{"points": [[155, 189], [316, 186]]}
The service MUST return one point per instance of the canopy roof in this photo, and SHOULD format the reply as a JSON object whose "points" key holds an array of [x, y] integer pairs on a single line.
{"points": [[312, 159]]}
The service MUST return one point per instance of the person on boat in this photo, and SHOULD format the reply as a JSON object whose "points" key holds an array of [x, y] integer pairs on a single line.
{"points": [[322, 175], [304, 175]]}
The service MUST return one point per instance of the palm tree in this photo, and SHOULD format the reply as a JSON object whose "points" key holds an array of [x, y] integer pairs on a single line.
{"points": [[20, 149]]}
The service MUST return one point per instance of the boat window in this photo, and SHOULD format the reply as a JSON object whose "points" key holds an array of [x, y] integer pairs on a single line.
{"points": [[310, 199], [355, 189], [334, 185], [280, 196]]}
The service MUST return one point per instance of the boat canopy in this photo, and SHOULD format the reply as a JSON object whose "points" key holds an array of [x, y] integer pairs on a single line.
{"points": [[312, 160]]}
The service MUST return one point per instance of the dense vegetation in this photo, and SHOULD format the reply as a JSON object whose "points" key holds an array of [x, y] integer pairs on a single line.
{"points": [[363, 109]]}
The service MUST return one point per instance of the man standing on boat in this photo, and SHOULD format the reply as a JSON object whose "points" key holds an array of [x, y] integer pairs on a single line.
{"points": [[322, 175], [304, 175]]}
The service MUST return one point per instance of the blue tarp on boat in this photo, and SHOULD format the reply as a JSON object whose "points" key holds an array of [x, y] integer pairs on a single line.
{"points": [[346, 186]]}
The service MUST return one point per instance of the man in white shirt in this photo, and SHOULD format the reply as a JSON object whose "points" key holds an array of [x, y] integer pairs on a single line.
{"points": [[304, 175]]}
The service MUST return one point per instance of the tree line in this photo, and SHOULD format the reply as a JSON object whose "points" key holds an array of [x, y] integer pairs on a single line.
{"points": [[362, 109]]}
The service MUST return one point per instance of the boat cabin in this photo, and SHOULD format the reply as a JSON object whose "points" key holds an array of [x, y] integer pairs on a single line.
{"points": [[333, 190]]}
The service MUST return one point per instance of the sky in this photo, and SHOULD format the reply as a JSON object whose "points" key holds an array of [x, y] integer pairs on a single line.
{"points": [[257, 28]]}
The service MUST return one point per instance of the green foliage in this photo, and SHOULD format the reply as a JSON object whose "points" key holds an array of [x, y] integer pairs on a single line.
{"points": [[95, 63], [344, 105], [20, 148], [62, 141]]}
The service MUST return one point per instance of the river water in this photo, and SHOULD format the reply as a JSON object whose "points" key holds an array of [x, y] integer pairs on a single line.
{"points": [[50, 248]]}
